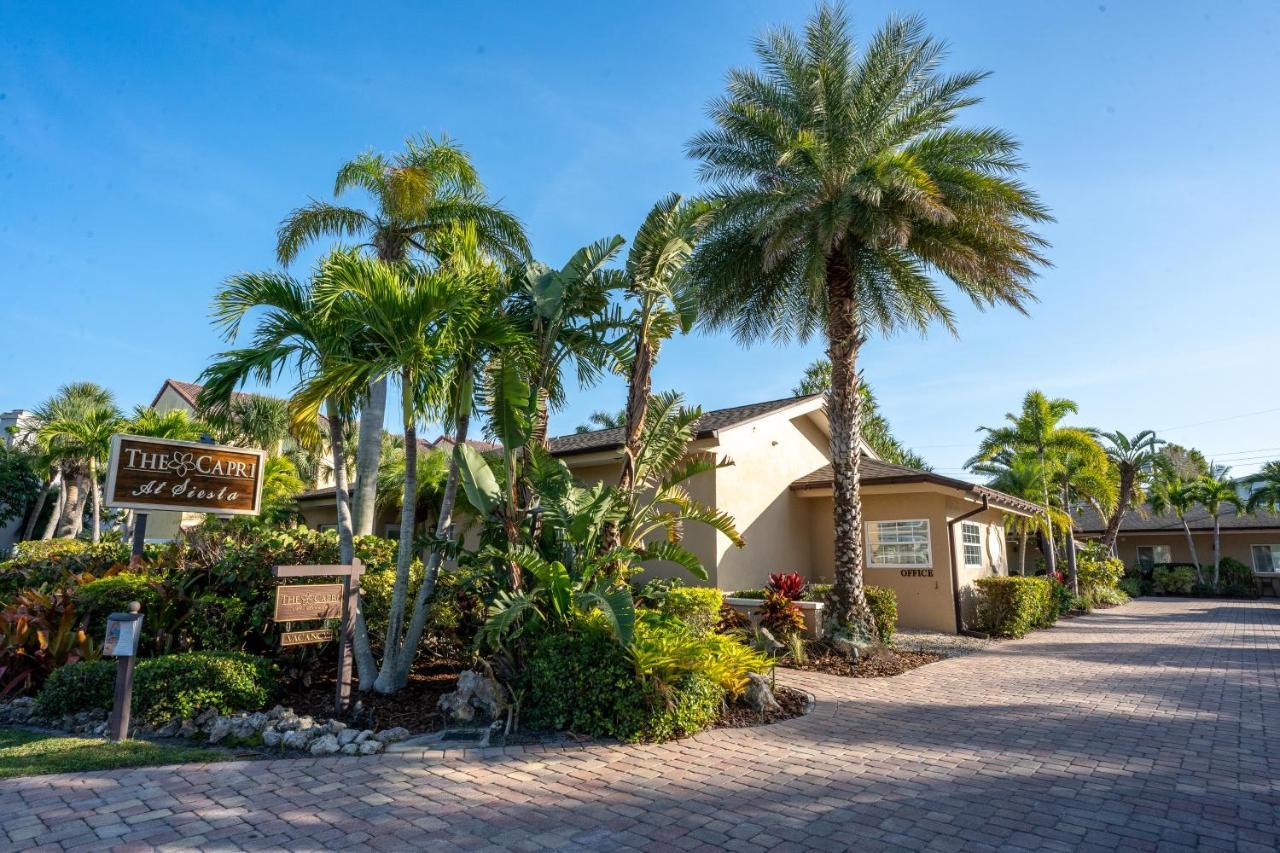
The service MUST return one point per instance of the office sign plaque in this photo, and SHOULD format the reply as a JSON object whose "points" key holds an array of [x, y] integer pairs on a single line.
{"points": [[186, 476]]}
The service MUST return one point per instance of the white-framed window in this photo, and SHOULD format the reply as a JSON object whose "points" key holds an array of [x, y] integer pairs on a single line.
{"points": [[1266, 558], [971, 539], [899, 543], [1150, 555]]}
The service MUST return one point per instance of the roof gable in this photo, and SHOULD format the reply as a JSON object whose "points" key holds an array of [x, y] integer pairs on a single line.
{"points": [[875, 472]]}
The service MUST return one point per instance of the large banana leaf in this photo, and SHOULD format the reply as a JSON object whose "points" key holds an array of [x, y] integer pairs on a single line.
{"points": [[478, 480], [511, 405]]}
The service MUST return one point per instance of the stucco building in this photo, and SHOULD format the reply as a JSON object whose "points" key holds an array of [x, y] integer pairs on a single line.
{"points": [[1151, 539]]}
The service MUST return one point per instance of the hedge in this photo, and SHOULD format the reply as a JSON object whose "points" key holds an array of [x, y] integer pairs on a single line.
{"points": [[696, 606], [1013, 606], [165, 688]]}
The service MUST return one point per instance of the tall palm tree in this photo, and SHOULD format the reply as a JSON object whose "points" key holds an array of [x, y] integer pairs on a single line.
{"points": [[841, 185], [1215, 492], [1037, 430], [72, 402], [420, 196], [409, 322], [1083, 476], [656, 279], [85, 439], [604, 420], [1135, 459], [1173, 494], [175, 424], [1020, 475]]}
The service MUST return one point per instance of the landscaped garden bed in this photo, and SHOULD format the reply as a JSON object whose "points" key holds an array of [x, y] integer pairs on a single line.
{"points": [[878, 662]]}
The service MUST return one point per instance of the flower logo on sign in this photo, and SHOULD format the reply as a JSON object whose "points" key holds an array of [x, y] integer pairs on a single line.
{"points": [[181, 463]]}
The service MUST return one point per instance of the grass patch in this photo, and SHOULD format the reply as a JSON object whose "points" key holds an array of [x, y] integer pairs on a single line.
{"points": [[24, 753]]}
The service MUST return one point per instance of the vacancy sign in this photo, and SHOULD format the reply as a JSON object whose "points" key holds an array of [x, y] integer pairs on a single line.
{"points": [[187, 476]]}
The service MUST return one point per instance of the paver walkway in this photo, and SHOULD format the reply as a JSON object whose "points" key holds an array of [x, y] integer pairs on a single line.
{"points": [[1151, 726]]}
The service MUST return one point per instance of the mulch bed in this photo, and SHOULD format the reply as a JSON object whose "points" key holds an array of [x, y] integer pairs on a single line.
{"points": [[414, 707], [739, 716], [883, 661]]}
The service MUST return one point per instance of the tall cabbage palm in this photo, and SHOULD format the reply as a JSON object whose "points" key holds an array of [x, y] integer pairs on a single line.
{"points": [[85, 439], [407, 322], [1083, 475], [1037, 430], [1171, 493], [72, 402], [1215, 492], [1019, 474], [656, 279], [420, 197], [842, 185], [1135, 459]]}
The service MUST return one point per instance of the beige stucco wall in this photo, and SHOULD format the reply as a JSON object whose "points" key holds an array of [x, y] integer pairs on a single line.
{"points": [[1235, 544], [769, 454]]}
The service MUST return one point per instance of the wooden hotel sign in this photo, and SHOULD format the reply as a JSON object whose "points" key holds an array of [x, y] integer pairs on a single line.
{"points": [[299, 602], [187, 476], [303, 638]]}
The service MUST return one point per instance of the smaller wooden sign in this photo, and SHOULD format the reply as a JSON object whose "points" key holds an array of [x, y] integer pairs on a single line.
{"points": [[303, 638], [299, 602]]}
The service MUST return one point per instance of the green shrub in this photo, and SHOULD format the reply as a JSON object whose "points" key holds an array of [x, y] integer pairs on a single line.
{"points": [[749, 593], [1013, 606], [816, 592], [1096, 568], [82, 686], [104, 596], [217, 622], [884, 608], [1235, 579], [692, 704], [166, 687], [1130, 586], [1173, 580], [40, 565], [1104, 596], [696, 606], [665, 653]]}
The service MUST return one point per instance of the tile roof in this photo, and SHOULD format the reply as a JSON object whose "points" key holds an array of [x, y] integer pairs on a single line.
{"points": [[704, 427], [875, 472], [189, 391], [1143, 520]]}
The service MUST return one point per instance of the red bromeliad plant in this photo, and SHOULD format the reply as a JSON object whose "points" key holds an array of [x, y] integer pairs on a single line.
{"points": [[40, 632], [789, 585], [780, 614]]}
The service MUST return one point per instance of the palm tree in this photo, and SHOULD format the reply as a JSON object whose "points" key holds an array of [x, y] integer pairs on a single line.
{"points": [[420, 196], [1215, 491], [1135, 459], [85, 439], [656, 278], [1020, 475], [603, 420], [1264, 489], [841, 185], [1083, 474], [175, 424], [1174, 494], [410, 322], [73, 402], [1037, 431]]}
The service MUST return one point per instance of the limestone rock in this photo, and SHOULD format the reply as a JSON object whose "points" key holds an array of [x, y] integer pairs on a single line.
{"points": [[351, 748], [220, 728], [759, 695], [271, 737], [288, 721], [347, 737], [205, 717], [394, 735], [298, 738], [169, 729], [476, 692], [188, 729], [371, 747], [364, 736], [324, 745]]}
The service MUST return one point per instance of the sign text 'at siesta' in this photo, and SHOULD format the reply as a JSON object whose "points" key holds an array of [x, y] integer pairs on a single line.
{"points": [[166, 474]]}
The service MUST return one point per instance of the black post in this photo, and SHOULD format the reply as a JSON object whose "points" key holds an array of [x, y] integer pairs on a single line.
{"points": [[139, 538], [120, 708], [346, 636]]}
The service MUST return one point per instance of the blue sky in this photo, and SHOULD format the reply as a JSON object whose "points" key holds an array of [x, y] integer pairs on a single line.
{"points": [[149, 150]]}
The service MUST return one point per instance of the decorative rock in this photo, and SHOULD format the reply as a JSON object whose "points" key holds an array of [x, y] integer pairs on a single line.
{"points": [[347, 737], [395, 735], [298, 738], [759, 695], [277, 712], [271, 737], [288, 721], [476, 691], [188, 729], [169, 729], [364, 736], [220, 728], [335, 726], [324, 745], [205, 717], [351, 748], [257, 721], [371, 747]]}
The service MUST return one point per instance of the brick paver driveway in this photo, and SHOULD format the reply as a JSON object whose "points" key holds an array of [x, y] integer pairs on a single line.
{"points": [[1152, 726]]}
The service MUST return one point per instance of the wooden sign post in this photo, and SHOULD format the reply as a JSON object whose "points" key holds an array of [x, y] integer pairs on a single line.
{"points": [[121, 642], [299, 602]]}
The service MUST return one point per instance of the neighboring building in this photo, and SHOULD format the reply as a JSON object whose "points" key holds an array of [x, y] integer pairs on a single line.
{"points": [[15, 431], [1148, 539]]}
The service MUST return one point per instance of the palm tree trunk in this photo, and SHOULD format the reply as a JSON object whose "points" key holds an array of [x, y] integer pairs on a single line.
{"points": [[1191, 546], [368, 455], [444, 525], [1050, 556], [366, 665], [1122, 506], [1217, 550], [639, 386], [71, 520], [851, 615], [51, 525], [1022, 554], [29, 529], [96, 533], [385, 682]]}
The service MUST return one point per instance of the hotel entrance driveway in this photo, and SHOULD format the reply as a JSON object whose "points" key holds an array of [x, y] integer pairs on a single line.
{"points": [[1151, 726]]}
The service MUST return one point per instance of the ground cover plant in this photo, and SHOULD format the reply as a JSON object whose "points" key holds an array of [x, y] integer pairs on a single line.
{"points": [[29, 753]]}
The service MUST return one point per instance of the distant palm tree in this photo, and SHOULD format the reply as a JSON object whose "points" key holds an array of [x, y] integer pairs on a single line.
{"points": [[604, 420], [1215, 492], [85, 438], [73, 402], [175, 424], [1264, 489], [1037, 430], [421, 196], [1135, 459], [1020, 475], [1173, 494], [842, 186]]}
